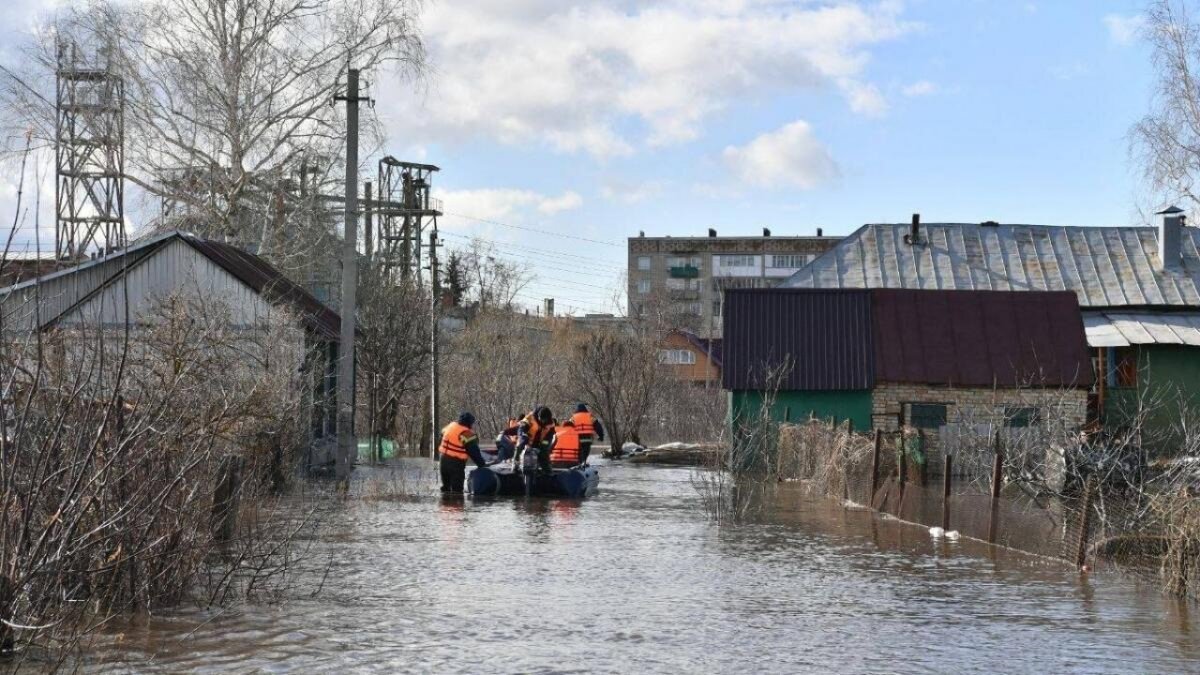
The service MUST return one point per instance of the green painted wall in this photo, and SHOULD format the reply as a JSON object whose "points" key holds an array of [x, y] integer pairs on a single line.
{"points": [[1167, 374], [798, 406]]}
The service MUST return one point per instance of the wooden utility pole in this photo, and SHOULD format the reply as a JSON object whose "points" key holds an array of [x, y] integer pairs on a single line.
{"points": [[347, 445], [434, 314]]}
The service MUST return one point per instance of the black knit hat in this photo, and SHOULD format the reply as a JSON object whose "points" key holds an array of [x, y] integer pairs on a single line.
{"points": [[466, 419]]}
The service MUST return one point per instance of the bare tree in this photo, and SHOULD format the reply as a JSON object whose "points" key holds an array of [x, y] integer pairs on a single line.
{"points": [[1167, 140], [226, 101], [490, 281], [618, 372], [393, 350]]}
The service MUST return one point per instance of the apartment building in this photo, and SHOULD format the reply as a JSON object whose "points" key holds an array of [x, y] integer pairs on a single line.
{"points": [[690, 274]]}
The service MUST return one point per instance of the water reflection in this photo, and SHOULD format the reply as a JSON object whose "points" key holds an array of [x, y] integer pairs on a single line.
{"points": [[638, 580]]}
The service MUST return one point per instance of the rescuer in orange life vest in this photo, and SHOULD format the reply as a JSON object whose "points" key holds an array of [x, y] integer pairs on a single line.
{"points": [[536, 431], [589, 428], [565, 449], [459, 443]]}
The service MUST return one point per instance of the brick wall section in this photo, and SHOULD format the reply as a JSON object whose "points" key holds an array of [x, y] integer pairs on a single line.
{"points": [[976, 406]]}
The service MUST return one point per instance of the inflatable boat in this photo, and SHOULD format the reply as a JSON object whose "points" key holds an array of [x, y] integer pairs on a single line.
{"points": [[501, 480]]}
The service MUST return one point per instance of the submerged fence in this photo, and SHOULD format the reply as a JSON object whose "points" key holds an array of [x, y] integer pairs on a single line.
{"points": [[982, 494]]}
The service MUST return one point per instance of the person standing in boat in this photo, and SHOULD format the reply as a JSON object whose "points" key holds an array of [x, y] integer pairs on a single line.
{"points": [[459, 443], [535, 433], [590, 429], [565, 449]]}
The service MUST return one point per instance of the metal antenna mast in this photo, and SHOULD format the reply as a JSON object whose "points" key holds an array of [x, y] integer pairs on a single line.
{"points": [[405, 210], [89, 152]]}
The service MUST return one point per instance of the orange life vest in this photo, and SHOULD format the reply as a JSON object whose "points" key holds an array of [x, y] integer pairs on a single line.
{"points": [[538, 435], [566, 446], [585, 425], [455, 438]]}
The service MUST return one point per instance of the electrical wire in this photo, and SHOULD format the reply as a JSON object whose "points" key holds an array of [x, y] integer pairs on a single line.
{"points": [[532, 229]]}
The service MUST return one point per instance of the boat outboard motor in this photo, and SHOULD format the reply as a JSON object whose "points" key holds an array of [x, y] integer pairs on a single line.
{"points": [[527, 464]]}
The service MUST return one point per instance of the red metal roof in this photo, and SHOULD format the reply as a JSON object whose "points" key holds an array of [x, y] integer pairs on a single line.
{"points": [[851, 339], [980, 338]]}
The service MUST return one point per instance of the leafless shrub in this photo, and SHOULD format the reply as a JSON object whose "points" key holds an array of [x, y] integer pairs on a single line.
{"points": [[824, 454], [115, 439]]}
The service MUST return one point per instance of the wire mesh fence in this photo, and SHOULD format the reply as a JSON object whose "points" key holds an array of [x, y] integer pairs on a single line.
{"points": [[986, 493]]}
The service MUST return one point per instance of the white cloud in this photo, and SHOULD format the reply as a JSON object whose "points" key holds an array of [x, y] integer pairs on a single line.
{"points": [[789, 156], [505, 203], [1123, 30], [919, 88], [864, 99], [605, 77], [568, 201]]}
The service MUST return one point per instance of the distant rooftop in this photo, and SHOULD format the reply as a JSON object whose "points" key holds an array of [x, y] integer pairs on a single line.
{"points": [[1105, 266]]}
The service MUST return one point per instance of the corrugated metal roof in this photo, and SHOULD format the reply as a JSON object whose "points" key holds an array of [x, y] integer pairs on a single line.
{"points": [[851, 339], [825, 336], [248, 268], [261, 276], [979, 338], [1104, 266], [1122, 329]]}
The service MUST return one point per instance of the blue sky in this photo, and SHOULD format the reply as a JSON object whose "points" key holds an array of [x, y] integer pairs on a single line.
{"points": [[600, 118]]}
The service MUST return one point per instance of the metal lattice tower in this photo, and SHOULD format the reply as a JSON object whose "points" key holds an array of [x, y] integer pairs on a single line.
{"points": [[89, 155], [405, 210]]}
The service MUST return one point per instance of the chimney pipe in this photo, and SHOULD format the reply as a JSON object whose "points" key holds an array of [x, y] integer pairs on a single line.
{"points": [[820, 232], [1170, 235], [766, 232], [549, 302], [712, 232], [914, 234]]}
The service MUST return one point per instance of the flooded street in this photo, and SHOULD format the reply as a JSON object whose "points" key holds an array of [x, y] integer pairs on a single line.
{"points": [[637, 580]]}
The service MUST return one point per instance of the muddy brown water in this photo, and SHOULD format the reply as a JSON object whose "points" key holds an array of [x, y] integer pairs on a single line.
{"points": [[637, 580]]}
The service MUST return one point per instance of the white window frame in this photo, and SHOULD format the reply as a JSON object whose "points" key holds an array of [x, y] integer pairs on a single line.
{"points": [[644, 286], [677, 357], [644, 263]]}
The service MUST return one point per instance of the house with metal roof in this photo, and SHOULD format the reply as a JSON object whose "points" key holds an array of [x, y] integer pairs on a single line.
{"points": [[935, 360], [1138, 288], [127, 288]]}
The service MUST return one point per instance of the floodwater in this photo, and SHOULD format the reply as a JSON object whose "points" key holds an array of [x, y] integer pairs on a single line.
{"points": [[637, 580]]}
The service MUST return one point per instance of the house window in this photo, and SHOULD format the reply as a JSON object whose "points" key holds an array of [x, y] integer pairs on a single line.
{"points": [[1021, 417], [716, 306], [683, 284], [676, 357], [789, 261], [737, 260], [643, 286], [644, 263], [927, 415], [1122, 366]]}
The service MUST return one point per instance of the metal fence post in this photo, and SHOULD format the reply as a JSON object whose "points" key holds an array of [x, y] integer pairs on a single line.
{"points": [[997, 483], [903, 469], [875, 464], [946, 494]]}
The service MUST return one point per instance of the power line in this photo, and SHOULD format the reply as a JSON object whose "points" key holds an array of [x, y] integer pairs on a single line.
{"points": [[533, 229], [506, 245]]}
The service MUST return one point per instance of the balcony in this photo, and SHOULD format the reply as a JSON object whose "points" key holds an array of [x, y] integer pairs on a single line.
{"points": [[684, 272]]}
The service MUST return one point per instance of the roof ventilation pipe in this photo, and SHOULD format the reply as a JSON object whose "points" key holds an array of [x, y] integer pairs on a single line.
{"points": [[913, 238], [820, 233], [1170, 235], [712, 232], [766, 232]]}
